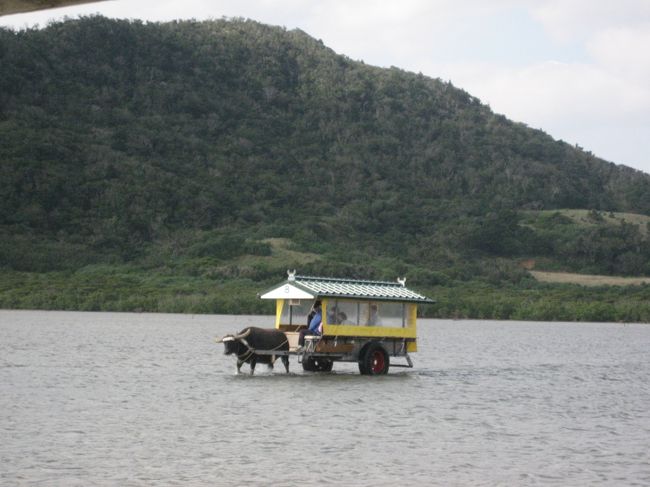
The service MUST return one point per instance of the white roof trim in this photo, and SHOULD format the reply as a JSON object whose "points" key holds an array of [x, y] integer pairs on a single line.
{"points": [[287, 291]]}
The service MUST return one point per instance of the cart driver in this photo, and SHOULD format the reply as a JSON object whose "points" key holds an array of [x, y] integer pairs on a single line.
{"points": [[315, 325]]}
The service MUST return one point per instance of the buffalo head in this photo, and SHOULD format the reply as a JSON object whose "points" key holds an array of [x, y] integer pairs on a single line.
{"points": [[232, 343]]}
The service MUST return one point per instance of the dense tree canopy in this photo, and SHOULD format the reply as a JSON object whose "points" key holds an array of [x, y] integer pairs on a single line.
{"points": [[119, 136]]}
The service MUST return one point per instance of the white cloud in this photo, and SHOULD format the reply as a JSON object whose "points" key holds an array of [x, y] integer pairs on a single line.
{"points": [[570, 19], [539, 93], [624, 50]]}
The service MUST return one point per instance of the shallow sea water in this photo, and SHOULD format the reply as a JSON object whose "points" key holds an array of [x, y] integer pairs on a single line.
{"points": [[149, 399]]}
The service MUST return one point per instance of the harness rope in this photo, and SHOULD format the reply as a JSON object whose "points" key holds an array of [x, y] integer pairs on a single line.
{"points": [[251, 350]]}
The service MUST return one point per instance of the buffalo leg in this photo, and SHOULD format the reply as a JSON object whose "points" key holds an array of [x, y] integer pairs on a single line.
{"points": [[253, 363], [239, 364], [285, 361]]}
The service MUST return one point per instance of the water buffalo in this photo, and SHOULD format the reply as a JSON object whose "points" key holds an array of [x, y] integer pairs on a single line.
{"points": [[250, 339]]}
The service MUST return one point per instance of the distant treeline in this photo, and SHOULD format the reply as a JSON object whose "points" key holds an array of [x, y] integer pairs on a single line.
{"points": [[127, 289]]}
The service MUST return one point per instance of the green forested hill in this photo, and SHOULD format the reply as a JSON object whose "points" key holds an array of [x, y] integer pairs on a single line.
{"points": [[186, 151]]}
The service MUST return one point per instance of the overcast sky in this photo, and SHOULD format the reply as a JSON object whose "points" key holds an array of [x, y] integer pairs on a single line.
{"points": [[577, 69]]}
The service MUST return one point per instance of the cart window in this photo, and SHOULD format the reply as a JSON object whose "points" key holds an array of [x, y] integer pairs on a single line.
{"points": [[342, 312], [391, 315], [364, 313], [295, 312]]}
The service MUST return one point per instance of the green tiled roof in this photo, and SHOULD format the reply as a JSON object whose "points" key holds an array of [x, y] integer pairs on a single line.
{"points": [[350, 288]]}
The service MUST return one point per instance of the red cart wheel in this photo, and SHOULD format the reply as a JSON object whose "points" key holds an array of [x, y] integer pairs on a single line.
{"points": [[374, 360]]}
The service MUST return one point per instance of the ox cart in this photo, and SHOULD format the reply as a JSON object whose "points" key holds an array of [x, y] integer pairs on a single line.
{"points": [[372, 323]]}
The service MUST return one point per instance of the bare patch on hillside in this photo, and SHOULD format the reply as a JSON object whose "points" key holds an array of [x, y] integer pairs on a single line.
{"points": [[588, 279]]}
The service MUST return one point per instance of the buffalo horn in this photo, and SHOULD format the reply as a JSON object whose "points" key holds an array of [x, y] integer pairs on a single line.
{"points": [[227, 338], [243, 335]]}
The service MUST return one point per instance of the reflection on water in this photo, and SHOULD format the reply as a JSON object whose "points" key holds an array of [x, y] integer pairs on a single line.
{"points": [[141, 399]]}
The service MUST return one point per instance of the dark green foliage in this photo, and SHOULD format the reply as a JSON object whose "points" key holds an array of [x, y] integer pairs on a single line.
{"points": [[185, 146], [500, 233], [597, 248], [227, 246], [542, 303]]}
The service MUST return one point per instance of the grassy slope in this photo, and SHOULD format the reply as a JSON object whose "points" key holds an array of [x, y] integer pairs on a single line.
{"points": [[581, 217]]}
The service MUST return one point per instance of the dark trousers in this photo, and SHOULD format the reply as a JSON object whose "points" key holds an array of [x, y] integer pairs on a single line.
{"points": [[303, 334]]}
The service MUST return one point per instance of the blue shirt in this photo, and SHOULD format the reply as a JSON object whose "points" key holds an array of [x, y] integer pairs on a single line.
{"points": [[315, 321]]}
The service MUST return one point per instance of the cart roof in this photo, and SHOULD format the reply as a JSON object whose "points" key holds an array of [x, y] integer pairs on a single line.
{"points": [[309, 287]]}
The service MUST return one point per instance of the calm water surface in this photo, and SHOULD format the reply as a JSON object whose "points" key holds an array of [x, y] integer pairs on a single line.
{"points": [[148, 399]]}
